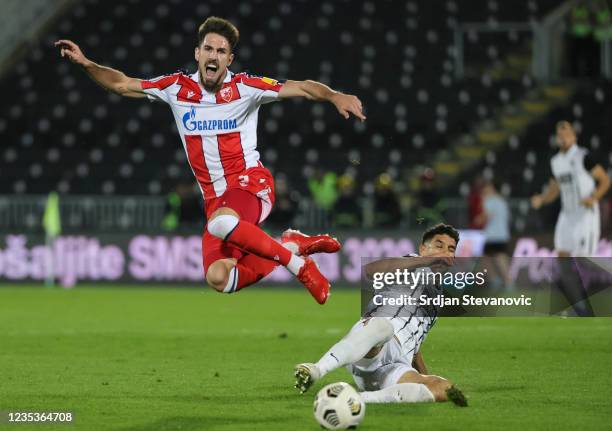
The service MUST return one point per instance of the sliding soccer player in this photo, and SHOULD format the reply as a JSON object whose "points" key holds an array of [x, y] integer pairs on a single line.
{"points": [[382, 350], [216, 115]]}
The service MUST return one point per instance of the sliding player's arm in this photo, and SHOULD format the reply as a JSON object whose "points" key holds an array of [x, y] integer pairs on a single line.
{"points": [[418, 363], [346, 104], [400, 263], [548, 196], [110, 79], [603, 185]]}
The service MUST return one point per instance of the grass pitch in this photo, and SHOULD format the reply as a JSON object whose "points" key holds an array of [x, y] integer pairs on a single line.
{"points": [[189, 359]]}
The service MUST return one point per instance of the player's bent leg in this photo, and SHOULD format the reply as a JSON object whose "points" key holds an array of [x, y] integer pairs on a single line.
{"points": [[399, 393], [226, 225], [222, 222], [441, 388], [250, 269], [357, 344], [437, 385], [222, 276]]}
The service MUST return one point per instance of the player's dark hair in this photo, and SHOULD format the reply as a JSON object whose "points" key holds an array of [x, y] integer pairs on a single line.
{"points": [[440, 229], [563, 124], [496, 184], [221, 26]]}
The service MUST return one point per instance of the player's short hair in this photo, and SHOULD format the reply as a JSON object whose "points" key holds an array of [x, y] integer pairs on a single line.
{"points": [[440, 229], [563, 124], [221, 26], [495, 183]]}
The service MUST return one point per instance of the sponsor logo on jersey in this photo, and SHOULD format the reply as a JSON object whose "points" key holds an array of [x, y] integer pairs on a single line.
{"points": [[191, 124]]}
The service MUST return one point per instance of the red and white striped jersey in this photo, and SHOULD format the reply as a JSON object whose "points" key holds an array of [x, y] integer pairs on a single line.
{"points": [[218, 131]]}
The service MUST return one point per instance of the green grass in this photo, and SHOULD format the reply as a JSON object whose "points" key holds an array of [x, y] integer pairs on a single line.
{"points": [[190, 359]]}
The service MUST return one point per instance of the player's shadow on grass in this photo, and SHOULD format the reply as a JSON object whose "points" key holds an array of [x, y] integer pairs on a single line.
{"points": [[189, 423]]}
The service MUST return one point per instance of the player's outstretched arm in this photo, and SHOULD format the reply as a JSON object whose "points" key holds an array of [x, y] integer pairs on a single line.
{"points": [[110, 79], [549, 195], [418, 363], [346, 104], [603, 185]]}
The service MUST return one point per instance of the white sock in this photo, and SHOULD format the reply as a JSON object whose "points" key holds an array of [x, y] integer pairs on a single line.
{"points": [[400, 393], [356, 344], [295, 264], [232, 281], [292, 247], [223, 225]]}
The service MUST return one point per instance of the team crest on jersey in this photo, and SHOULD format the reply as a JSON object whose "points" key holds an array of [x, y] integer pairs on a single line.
{"points": [[226, 93]]}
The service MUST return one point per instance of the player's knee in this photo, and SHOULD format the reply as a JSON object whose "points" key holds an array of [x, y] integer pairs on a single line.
{"points": [[223, 277], [222, 225], [217, 276], [381, 328]]}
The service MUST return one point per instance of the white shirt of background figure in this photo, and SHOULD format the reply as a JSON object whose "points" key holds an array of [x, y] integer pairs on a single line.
{"points": [[581, 183]]}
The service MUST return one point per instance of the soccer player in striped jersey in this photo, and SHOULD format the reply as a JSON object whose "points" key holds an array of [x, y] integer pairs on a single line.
{"points": [[582, 183], [216, 115], [382, 350]]}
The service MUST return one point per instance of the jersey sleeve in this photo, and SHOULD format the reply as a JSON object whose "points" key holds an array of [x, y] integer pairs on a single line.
{"points": [[157, 88], [262, 89], [551, 170], [588, 162]]}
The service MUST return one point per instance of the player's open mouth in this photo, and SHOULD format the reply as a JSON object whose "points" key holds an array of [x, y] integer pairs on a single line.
{"points": [[211, 70]]}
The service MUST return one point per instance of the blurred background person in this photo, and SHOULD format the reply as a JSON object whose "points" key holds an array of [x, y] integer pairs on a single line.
{"points": [[286, 204], [387, 210], [475, 207], [430, 209], [323, 189], [184, 208], [584, 49], [347, 211], [496, 221], [324, 193]]}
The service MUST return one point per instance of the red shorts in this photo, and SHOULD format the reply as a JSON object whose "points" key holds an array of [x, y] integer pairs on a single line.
{"points": [[251, 195]]}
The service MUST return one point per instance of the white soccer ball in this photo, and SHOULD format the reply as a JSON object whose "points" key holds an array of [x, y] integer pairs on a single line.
{"points": [[338, 406]]}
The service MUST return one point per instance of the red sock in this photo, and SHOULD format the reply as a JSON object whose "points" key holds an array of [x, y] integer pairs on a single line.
{"points": [[253, 268], [254, 240]]}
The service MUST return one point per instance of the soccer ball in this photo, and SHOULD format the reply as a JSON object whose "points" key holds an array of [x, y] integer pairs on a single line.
{"points": [[338, 406]]}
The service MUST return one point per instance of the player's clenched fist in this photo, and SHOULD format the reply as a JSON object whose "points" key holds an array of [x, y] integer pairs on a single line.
{"points": [[536, 202], [71, 50], [347, 103]]}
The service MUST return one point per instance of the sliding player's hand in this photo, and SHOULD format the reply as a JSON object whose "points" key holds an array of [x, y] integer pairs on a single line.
{"points": [[440, 262], [72, 51], [347, 104]]}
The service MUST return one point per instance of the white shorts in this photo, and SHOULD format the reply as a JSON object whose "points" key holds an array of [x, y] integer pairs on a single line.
{"points": [[386, 368], [578, 232]]}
